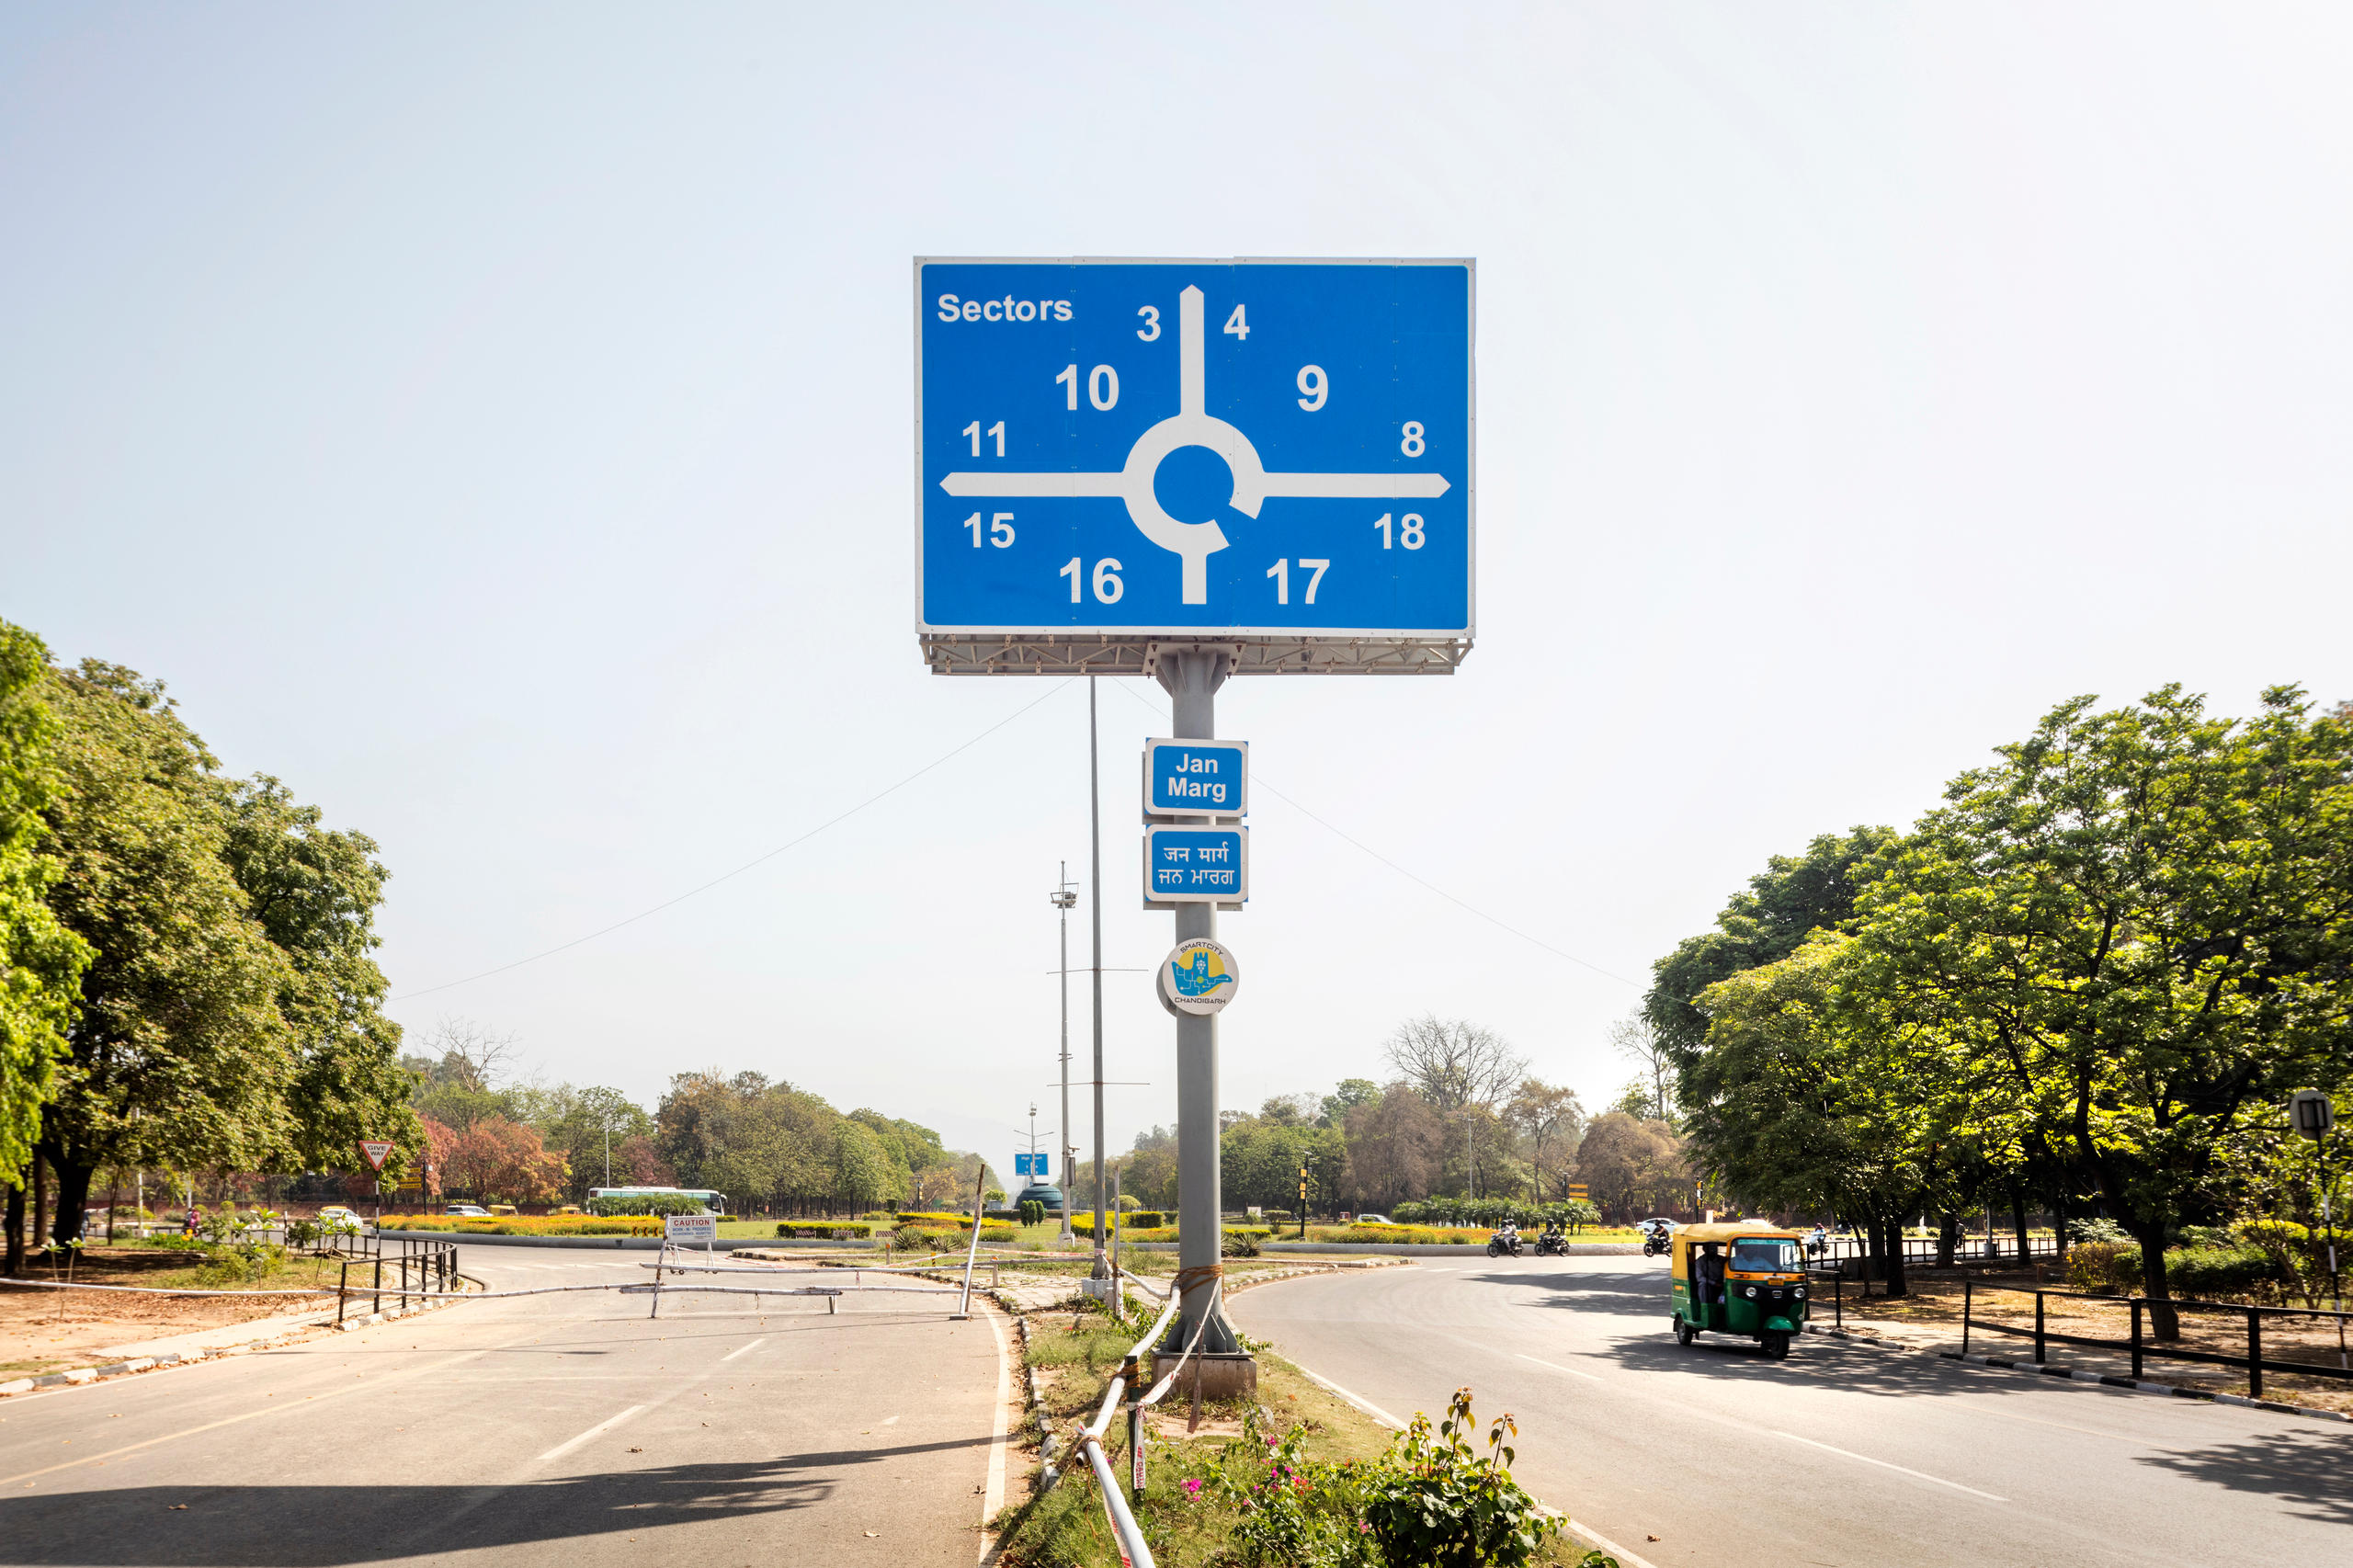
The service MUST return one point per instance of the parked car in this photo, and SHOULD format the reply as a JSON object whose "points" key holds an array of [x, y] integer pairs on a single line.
{"points": [[335, 1220], [468, 1211], [1373, 1220]]}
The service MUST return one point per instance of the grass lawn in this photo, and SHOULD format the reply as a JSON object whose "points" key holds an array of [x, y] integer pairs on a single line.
{"points": [[1068, 1526]]}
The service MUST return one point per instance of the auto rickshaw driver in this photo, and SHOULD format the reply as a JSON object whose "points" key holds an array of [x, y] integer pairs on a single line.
{"points": [[1745, 1278]]}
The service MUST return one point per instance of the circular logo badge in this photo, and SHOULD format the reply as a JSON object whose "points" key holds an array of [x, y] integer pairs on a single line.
{"points": [[1198, 976]]}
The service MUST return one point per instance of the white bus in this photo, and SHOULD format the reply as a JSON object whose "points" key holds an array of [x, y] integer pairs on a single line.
{"points": [[712, 1202]]}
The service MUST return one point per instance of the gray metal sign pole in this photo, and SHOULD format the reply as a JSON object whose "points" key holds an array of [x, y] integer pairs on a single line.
{"points": [[1192, 679], [1095, 832]]}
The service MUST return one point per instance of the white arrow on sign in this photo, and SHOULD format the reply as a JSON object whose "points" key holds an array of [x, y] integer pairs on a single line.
{"points": [[1194, 426]]}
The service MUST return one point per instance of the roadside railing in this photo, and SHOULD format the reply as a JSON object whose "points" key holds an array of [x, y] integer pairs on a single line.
{"points": [[1128, 1381], [2139, 1347], [1972, 1251], [431, 1264]]}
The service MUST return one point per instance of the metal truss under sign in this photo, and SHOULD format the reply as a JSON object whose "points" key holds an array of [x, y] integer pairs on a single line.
{"points": [[1271, 455]]}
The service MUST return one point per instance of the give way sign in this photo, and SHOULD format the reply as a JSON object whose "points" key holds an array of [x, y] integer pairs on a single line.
{"points": [[376, 1151]]}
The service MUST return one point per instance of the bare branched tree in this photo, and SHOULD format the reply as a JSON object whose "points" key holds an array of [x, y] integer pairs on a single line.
{"points": [[1455, 1064], [1458, 1066], [1633, 1038], [472, 1055], [1551, 1122]]}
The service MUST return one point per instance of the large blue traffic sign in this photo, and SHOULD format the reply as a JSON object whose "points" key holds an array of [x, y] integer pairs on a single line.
{"points": [[1211, 449], [1034, 1165]]}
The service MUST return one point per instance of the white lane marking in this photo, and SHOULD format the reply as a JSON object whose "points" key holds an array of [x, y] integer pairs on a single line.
{"points": [[598, 1430], [250, 1415], [1594, 1537], [993, 1488], [1902, 1470], [746, 1349], [1359, 1401], [1558, 1367]]}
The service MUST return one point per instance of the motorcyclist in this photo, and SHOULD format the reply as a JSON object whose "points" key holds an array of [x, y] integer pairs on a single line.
{"points": [[1818, 1241]]}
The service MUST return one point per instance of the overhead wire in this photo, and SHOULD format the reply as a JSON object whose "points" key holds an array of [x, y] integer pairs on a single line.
{"points": [[1259, 780], [758, 861]]}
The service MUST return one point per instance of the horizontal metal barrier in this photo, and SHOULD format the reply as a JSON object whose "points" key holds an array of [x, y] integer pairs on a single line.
{"points": [[2139, 1347]]}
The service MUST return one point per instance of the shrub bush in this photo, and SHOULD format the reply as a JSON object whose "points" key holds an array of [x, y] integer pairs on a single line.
{"points": [[826, 1230], [1033, 1212], [2218, 1271], [1239, 1243], [2097, 1231], [1434, 1500], [2104, 1267], [934, 1217]]}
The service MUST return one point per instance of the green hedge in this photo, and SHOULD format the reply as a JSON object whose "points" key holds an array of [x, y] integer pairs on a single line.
{"points": [[2190, 1272], [826, 1230]]}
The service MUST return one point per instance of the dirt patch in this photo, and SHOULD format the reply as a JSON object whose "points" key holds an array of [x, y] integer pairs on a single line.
{"points": [[41, 1331]]}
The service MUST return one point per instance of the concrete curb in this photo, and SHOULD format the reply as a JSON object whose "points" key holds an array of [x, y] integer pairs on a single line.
{"points": [[2079, 1375], [75, 1377], [630, 1243]]}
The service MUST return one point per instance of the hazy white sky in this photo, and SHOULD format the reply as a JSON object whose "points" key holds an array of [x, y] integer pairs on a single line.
{"points": [[494, 421]]}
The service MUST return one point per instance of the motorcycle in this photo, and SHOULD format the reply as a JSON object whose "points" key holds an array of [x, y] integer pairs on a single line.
{"points": [[1551, 1244], [1656, 1242], [1505, 1239]]}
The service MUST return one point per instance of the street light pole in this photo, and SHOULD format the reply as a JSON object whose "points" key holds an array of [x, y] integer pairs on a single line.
{"points": [[1094, 838], [1065, 895]]}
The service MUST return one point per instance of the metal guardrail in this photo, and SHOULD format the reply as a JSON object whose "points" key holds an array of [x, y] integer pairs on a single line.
{"points": [[1923, 1250], [2139, 1347], [433, 1264]]}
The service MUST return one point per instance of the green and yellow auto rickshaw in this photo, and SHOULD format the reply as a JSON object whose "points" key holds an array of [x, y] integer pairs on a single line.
{"points": [[1745, 1278]]}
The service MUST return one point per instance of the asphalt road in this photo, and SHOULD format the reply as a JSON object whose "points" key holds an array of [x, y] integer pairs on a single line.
{"points": [[552, 1429], [1841, 1455]]}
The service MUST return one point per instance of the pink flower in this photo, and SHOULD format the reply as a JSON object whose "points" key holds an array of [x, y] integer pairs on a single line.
{"points": [[1193, 1488]]}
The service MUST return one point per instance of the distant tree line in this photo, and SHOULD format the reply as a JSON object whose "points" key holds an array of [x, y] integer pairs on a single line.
{"points": [[1460, 1118], [2084, 986], [769, 1147]]}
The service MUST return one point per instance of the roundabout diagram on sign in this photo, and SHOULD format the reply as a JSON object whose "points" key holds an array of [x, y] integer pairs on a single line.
{"points": [[1270, 454], [1193, 426]]}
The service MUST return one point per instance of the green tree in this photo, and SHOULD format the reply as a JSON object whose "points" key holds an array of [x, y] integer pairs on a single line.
{"points": [[314, 891], [1789, 898], [179, 1056], [1799, 1102], [42, 962], [592, 1129], [2139, 924]]}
